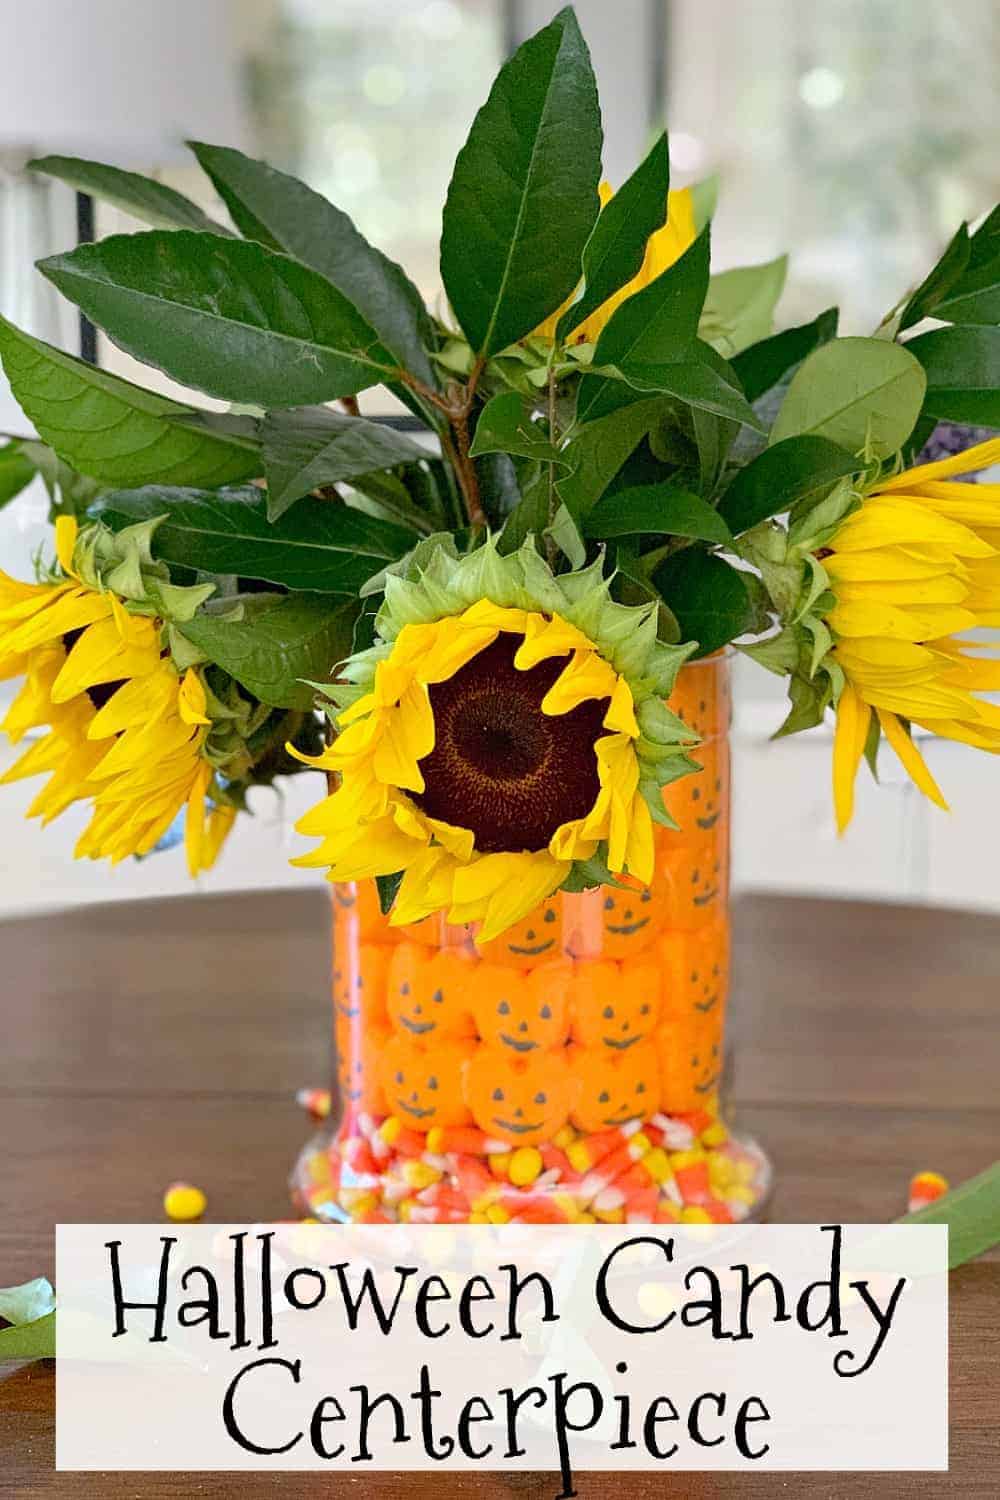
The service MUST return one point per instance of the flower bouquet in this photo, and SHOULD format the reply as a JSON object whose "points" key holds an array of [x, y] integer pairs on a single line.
{"points": [[498, 629]]}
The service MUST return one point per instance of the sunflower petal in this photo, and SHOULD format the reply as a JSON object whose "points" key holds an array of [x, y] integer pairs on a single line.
{"points": [[853, 718], [913, 762]]}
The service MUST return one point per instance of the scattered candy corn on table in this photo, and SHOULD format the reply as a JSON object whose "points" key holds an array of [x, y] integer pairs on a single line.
{"points": [[152, 1043]]}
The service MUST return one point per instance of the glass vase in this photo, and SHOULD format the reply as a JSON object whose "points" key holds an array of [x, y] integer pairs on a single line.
{"points": [[571, 1070]]}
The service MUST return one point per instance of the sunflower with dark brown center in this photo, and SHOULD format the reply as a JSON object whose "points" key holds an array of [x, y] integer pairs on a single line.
{"points": [[505, 735]]}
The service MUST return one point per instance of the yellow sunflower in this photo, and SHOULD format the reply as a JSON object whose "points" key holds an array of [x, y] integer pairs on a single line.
{"points": [[663, 247], [126, 729], [507, 729], [917, 564]]}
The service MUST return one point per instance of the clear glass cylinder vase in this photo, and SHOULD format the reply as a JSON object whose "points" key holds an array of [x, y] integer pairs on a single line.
{"points": [[571, 1070]]}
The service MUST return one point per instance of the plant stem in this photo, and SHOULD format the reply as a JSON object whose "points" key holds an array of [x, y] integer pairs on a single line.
{"points": [[456, 405], [550, 545]]}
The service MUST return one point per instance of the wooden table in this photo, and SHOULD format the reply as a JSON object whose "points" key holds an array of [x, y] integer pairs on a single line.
{"points": [[148, 1041]]}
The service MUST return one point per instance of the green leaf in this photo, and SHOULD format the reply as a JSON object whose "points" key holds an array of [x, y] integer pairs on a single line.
{"points": [[654, 327], [565, 532], [320, 545], [600, 449], [864, 394], [707, 596], [311, 446], [761, 367], [975, 298], [388, 888], [523, 196], [656, 508], [530, 515], [972, 1214], [698, 382], [109, 429], [939, 282], [36, 1340], [277, 653], [739, 306], [963, 374], [225, 316], [617, 245], [809, 697], [285, 214], [151, 202], [781, 476], [505, 425], [984, 243], [16, 472]]}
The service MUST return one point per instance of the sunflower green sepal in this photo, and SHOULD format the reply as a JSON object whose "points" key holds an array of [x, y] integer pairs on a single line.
{"points": [[122, 562], [566, 670]]}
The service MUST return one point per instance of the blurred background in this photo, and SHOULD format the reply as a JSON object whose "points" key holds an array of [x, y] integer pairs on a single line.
{"points": [[854, 134]]}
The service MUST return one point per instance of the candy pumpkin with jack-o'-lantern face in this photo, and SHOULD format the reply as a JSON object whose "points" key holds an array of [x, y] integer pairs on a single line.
{"points": [[429, 992], [536, 939], [695, 968], [522, 1099], [423, 1083], [360, 1048], [614, 1087], [523, 1011], [615, 1005], [690, 1053], [702, 698], [693, 875], [631, 918], [359, 982], [699, 802]]}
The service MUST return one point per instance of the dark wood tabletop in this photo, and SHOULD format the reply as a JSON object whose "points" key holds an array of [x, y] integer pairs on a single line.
{"points": [[149, 1041]]}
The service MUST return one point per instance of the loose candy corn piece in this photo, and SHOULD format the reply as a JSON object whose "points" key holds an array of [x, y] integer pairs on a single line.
{"points": [[183, 1203], [315, 1102], [926, 1187], [443, 1139]]}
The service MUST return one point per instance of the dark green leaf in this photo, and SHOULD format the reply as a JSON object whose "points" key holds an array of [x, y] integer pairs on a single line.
{"points": [[16, 472], [225, 316], [809, 697], [654, 327], [285, 214], [975, 298], [505, 425], [151, 202], [763, 365], [862, 393], [656, 508], [972, 1214], [939, 282], [615, 250], [388, 887], [311, 446], [739, 305], [963, 374], [36, 1340], [698, 382], [984, 243], [600, 449], [320, 545], [275, 654], [782, 475], [529, 517], [707, 596], [523, 195], [109, 429]]}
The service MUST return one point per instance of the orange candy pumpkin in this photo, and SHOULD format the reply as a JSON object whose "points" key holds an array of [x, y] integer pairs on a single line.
{"points": [[520, 1099], [523, 1011], [615, 1005], [699, 803], [359, 982], [536, 939], [694, 878], [423, 1083], [360, 1048], [695, 966], [702, 697], [430, 992], [615, 1087], [690, 1061]]}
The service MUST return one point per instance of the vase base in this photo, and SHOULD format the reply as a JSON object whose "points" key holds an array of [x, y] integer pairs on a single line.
{"points": [[669, 1169]]}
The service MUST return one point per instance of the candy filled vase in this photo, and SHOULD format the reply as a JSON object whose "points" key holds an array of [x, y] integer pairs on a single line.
{"points": [[571, 1070]]}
